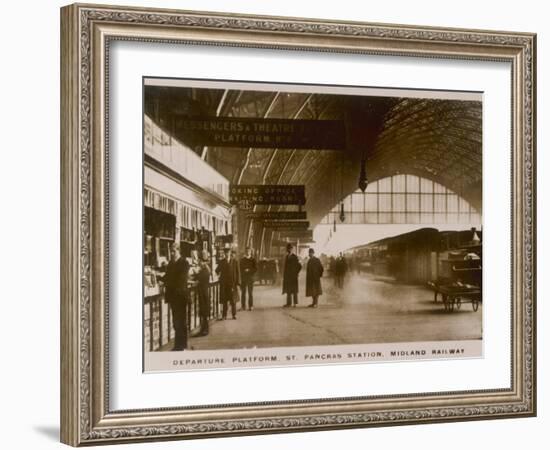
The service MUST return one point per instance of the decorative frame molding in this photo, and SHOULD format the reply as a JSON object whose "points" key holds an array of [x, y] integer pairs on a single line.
{"points": [[86, 31]]}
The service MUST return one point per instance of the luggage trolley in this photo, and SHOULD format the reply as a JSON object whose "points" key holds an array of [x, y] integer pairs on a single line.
{"points": [[454, 292]]}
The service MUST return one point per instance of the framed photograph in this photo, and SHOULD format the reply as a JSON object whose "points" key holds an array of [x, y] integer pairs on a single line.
{"points": [[275, 224]]}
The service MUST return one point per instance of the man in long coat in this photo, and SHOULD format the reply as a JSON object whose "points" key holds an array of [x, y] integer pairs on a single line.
{"points": [[230, 279], [341, 269], [203, 284], [248, 269], [176, 294], [314, 272], [290, 277]]}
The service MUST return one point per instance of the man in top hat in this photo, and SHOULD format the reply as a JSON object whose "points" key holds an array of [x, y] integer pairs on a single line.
{"points": [[248, 270], [230, 279], [203, 284], [290, 277]]}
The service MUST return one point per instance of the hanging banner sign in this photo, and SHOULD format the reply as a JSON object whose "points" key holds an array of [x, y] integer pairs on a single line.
{"points": [[278, 215], [222, 240], [262, 133], [287, 225], [264, 194], [279, 243], [296, 234]]}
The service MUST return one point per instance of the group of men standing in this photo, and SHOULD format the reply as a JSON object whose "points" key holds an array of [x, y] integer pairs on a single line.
{"points": [[232, 274], [176, 293], [314, 272], [339, 268]]}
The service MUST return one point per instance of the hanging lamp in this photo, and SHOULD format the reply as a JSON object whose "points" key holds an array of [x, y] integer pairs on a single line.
{"points": [[363, 182]]}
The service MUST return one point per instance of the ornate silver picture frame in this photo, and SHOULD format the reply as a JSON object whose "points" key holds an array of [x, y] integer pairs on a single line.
{"points": [[89, 413]]}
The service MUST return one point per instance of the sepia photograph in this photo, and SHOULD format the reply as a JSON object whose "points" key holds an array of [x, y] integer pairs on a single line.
{"points": [[307, 224], [277, 223]]}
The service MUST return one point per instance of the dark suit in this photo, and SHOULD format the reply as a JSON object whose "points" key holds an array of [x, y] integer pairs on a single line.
{"points": [[290, 278], [176, 295], [314, 272], [230, 278], [341, 267], [203, 283], [248, 270]]}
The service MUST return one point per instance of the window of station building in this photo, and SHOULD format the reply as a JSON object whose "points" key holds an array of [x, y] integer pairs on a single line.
{"points": [[404, 199], [159, 229]]}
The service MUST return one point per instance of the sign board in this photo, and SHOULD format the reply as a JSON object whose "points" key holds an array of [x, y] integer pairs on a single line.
{"points": [[265, 194], [278, 243], [262, 133], [296, 234], [278, 215], [222, 240], [288, 225]]}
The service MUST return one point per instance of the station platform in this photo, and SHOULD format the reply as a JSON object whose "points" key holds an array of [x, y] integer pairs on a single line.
{"points": [[368, 309]]}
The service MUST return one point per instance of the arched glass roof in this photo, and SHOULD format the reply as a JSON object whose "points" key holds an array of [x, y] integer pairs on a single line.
{"points": [[403, 199], [436, 140]]}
